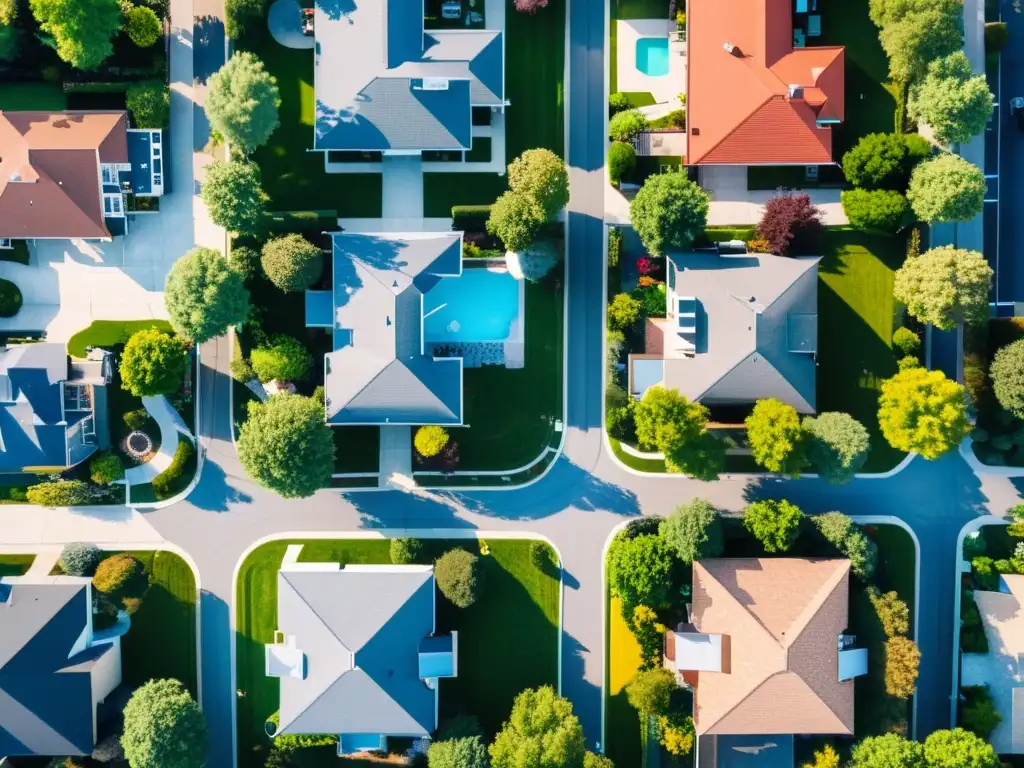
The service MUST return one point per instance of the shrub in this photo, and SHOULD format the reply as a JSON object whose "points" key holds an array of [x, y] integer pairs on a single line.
{"points": [[541, 175], [908, 362], [996, 35], [649, 634], [165, 483], [776, 436], [1007, 374], [623, 312], [542, 726], [621, 161], [153, 363], [543, 556], [652, 300], [668, 422], [292, 263], [906, 341], [430, 440], [10, 298], [516, 220], [879, 210], [889, 750], [62, 493], [241, 370], [837, 445], [282, 358], [985, 574], [614, 246], [902, 659], [470, 218], [80, 559], [878, 161], [776, 524], [958, 748], [136, 419], [121, 576], [468, 752], [405, 551], [650, 692], [150, 103], [640, 571], [669, 211], [143, 26], [594, 760], [458, 574], [163, 727], [694, 531], [627, 124], [105, 468], [791, 225], [617, 102], [530, 7], [848, 538], [978, 713], [947, 188], [893, 614], [242, 15], [676, 733], [245, 261]]}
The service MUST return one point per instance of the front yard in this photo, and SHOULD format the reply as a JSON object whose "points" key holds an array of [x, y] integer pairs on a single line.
{"points": [[508, 640]]}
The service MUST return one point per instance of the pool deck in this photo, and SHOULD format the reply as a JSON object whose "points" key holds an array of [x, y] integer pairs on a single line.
{"points": [[664, 88]]}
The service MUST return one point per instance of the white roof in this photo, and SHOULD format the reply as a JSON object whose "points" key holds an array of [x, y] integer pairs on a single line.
{"points": [[698, 652]]}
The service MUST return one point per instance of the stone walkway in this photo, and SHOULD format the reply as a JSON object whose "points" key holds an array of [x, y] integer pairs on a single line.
{"points": [[168, 421]]}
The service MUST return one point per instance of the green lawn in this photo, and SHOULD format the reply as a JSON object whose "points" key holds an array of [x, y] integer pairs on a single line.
{"points": [[356, 449], [856, 312], [641, 9], [110, 333], [32, 96], [508, 641], [15, 565]]}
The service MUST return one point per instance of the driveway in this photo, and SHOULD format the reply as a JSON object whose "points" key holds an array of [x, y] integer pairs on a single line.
{"points": [[733, 203]]}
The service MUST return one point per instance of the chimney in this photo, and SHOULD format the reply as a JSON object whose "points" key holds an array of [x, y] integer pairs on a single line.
{"points": [[796, 91]]}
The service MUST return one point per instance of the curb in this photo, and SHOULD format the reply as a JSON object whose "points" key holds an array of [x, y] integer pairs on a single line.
{"points": [[968, 455]]}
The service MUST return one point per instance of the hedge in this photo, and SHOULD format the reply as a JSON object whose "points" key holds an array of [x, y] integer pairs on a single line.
{"points": [[164, 484], [300, 221], [98, 87], [470, 218]]}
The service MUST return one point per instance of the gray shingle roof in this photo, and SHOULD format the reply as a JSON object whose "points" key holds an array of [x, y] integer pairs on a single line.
{"points": [[360, 630], [381, 83], [46, 700], [378, 373]]}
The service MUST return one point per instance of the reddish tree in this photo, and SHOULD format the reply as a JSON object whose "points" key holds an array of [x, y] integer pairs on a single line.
{"points": [[791, 225], [530, 6]]}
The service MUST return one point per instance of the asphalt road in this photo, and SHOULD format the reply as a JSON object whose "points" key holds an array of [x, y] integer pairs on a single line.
{"points": [[1010, 276]]}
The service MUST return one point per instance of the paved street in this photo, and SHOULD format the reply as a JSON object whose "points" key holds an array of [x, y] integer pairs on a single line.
{"points": [[1011, 164]]}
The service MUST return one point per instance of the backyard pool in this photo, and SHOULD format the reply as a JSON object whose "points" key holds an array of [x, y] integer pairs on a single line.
{"points": [[481, 305], [652, 56]]}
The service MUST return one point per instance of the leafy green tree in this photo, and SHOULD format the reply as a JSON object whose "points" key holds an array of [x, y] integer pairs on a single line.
{"points": [[78, 559], [1007, 374], [776, 436], [594, 760], [848, 538], [776, 524], [887, 751], [233, 193], [623, 311], [668, 422], [204, 295], [919, 38], [121, 576], [944, 286], [153, 363], [405, 551], [906, 341], [542, 175], [958, 748], [627, 124], [516, 220], [669, 211], [621, 161], [694, 531], [641, 571], [946, 188], [430, 440], [242, 102], [63, 493], [285, 445], [541, 732], [459, 576], [282, 358], [163, 727], [81, 30], [885, 12], [245, 261], [978, 713], [878, 210], [676, 733], [650, 691], [837, 445], [143, 26], [468, 752], [893, 614], [9, 34], [877, 161], [292, 263], [902, 659], [105, 468], [149, 102], [955, 102], [922, 411], [242, 16], [827, 757]]}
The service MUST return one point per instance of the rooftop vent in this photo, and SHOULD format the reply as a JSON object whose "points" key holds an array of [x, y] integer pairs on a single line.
{"points": [[796, 92], [729, 47], [435, 84]]}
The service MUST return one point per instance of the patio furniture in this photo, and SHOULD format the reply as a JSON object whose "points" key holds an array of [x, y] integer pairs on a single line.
{"points": [[799, 38], [814, 25]]}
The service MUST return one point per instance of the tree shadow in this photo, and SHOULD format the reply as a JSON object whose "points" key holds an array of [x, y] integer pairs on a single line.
{"points": [[207, 47], [215, 492]]}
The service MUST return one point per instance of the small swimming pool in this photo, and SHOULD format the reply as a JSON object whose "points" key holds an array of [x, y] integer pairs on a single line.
{"points": [[652, 56], [481, 305]]}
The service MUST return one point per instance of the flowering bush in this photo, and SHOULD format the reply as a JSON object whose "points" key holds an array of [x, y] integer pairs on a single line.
{"points": [[645, 266], [646, 281]]}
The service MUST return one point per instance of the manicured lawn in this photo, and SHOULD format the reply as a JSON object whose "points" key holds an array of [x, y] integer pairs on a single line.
{"points": [[856, 312], [110, 333], [32, 96], [508, 641], [622, 723], [641, 9], [356, 449], [443, 190], [15, 565]]}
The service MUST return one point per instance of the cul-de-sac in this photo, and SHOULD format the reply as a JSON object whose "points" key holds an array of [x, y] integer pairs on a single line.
{"points": [[511, 383]]}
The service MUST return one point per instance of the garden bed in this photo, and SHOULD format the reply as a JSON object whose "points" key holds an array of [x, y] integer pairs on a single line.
{"points": [[998, 438], [15, 565]]}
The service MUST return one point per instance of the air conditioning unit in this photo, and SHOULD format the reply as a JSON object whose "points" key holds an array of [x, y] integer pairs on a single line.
{"points": [[434, 84]]}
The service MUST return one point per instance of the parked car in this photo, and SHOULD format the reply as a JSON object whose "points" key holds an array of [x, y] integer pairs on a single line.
{"points": [[306, 20], [452, 9]]}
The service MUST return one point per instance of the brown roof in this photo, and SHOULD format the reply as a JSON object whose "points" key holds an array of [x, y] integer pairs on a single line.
{"points": [[739, 102], [56, 157], [780, 619]]}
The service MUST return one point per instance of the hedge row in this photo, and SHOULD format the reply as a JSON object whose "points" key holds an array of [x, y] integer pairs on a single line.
{"points": [[165, 484], [98, 87], [470, 218], [301, 221]]}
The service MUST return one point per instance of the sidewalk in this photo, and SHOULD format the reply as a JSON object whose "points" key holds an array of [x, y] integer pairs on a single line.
{"points": [[30, 525]]}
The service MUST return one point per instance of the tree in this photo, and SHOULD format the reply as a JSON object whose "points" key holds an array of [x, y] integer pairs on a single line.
{"points": [[650, 691], [885, 12], [906, 341], [1007, 374], [621, 161], [847, 537], [78, 559], [245, 261], [641, 571], [516, 220], [468, 752], [893, 614], [958, 748], [878, 210], [143, 26], [827, 757], [978, 713], [9, 34], [627, 125], [204, 295], [694, 531], [676, 733], [623, 311], [536, 261], [946, 188], [430, 440], [952, 100], [234, 196], [791, 225], [944, 286], [241, 16], [541, 732], [594, 760], [81, 29], [901, 662], [887, 751], [153, 363], [163, 727], [63, 493], [669, 211], [542, 175], [837, 445], [459, 577], [776, 524], [105, 468], [918, 38], [242, 102], [292, 263], [405, 551], [922, 411], [884, 160], [668, 422], [530, 6], [776, 436], [285, 445], [150, 103], [282, 358]]}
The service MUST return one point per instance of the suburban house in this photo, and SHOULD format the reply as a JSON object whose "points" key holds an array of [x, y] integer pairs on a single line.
{"points": [[381, 370], [53, 414], [1002, 668], [385, 84], [55, 670], [757, 94], [765, 631], [738, 328], [357, 653], [64, 175]]}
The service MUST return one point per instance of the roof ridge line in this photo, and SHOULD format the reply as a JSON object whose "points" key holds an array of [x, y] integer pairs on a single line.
{"points": [[799, 277], [827, 588], [315, 613]]}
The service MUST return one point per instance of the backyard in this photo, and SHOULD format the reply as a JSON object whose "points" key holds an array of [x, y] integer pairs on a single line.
{"points": [[516, 620]]}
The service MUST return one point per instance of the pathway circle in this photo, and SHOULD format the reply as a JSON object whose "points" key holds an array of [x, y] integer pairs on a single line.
{"points": [[283, 21], [138, 445]]}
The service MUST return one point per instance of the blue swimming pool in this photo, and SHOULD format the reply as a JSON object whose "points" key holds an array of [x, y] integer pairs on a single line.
{"points": [[652, 56], [481, 305]]}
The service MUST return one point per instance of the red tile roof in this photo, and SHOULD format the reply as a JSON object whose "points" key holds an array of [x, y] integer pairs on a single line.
{"points": [[738, 102]]}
